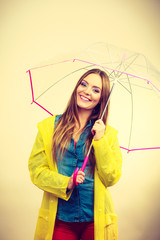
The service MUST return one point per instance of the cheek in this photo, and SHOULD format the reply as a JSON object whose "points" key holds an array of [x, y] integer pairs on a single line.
{"points": [[97, 98], [78, 90]]}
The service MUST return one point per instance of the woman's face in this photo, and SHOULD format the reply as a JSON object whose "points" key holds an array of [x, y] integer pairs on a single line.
{"points": [[89, 92]]}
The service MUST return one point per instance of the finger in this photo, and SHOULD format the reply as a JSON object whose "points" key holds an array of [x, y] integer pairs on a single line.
{"points": [[95, 129], [93, 132], [80, 179], [81, 173], [98, 126], [99, 121]]}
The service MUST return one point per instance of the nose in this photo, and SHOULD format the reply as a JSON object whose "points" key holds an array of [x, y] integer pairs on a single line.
{"points": [[87, 90]]}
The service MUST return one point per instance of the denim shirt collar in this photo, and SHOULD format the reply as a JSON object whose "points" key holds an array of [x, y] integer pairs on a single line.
{"points": [[89, 124]]}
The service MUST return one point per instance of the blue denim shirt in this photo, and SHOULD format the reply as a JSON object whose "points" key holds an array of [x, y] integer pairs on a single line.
{"points": [[80, 206]]}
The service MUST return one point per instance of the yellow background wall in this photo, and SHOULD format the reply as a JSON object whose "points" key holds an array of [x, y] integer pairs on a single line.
{"points": [[33, 32]]}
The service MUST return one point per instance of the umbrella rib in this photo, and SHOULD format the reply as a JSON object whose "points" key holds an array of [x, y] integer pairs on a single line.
{"points": [[115, 81], [120, 74], [123, 86], [126, 67], [112, 61], [133, 84], [131, 127], [61, 80]]}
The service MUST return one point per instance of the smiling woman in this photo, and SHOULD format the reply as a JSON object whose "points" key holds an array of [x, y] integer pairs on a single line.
{"points": [[84, 211]]}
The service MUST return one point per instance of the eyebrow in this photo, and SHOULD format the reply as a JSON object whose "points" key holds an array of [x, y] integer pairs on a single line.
{"points": [[92, 86]]}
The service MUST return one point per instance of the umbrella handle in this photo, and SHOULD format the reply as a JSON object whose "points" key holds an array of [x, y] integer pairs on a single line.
{"points": [[77, 169], [84, 163], [75, 176]]}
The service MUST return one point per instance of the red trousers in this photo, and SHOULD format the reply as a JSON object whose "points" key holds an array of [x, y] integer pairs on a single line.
{"points": [[73, 231]]}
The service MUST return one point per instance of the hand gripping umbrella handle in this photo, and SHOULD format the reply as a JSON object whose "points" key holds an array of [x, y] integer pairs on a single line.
{"points": [[77, 169]]}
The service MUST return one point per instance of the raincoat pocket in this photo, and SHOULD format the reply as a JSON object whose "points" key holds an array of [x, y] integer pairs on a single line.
{"points": [[111, 232], [111, 227], [42, 228]]}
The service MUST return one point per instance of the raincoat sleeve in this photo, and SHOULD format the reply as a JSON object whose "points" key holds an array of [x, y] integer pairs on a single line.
{"points": [[43, 175], [108, 157]]}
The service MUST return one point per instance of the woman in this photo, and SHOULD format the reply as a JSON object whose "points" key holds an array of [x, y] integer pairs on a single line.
{"points": [[85, 211]]}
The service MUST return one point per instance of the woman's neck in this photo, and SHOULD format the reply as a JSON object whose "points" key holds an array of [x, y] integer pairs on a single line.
{"points": [[83, 117]]}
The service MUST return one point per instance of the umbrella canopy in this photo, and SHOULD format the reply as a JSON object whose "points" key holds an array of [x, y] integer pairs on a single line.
{"points": [[135, 100]]}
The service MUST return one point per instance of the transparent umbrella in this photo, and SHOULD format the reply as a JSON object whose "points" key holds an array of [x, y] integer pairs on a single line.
{"points": [[135, 100]]}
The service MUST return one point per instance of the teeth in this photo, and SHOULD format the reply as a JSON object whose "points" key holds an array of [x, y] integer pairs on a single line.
{"points": [[84, 98]]}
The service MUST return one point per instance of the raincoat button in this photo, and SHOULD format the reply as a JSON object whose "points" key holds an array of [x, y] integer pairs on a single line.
{"points": [[46, 217], [51, 201], [100, 210]]}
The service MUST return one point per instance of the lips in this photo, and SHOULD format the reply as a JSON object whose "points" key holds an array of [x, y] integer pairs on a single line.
{"points": [[85, 98]]}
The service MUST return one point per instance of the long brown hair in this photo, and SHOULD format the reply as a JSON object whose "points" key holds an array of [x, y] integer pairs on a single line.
{"points": [[64, 129]]}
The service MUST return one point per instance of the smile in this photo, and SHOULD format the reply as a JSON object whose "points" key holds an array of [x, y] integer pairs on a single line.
{"points": [[85, 98]]}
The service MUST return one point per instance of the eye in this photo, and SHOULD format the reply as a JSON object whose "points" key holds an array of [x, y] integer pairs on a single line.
{"points": [[96, 90], [83, 84]]}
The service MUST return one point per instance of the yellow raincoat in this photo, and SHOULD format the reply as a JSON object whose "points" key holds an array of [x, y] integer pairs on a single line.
{"points": [[44, 174]]}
